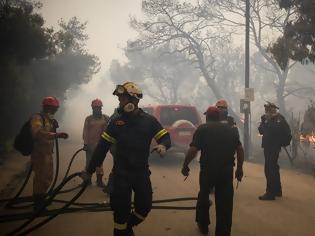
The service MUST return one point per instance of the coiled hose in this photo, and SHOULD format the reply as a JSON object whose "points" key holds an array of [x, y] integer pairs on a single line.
{"points": [[79, 207]]}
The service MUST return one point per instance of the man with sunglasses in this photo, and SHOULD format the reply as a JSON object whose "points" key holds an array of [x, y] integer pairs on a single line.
{"points": [[131, 132]]}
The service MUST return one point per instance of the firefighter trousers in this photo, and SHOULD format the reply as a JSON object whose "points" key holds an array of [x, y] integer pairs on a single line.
{"points": [[223, 184], [121, 198], [272, 172], [89, 153], [42, 165]]}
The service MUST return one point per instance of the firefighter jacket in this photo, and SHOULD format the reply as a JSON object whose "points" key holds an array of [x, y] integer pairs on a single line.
{"points": [[93, 128], [43, 132], [132, 135], [272, 131]]}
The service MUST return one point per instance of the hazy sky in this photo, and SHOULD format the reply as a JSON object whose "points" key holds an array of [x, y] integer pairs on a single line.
{"points": [[108, 30], [108, 23]]}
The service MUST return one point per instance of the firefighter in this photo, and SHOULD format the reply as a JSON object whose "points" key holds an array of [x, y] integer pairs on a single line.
{"points": [[223, 114], [43, 128], [94, 126], [132, 132], [218, 143], [273, 127], [108, 188]]}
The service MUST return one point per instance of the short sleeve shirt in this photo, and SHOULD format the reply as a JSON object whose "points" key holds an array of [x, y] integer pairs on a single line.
{"points": [[217, 143]]}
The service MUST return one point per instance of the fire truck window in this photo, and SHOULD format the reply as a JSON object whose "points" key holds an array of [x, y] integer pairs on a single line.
{"points": [[169, 115]]}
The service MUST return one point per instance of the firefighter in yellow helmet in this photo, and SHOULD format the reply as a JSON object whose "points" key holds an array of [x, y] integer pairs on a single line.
{"points": [[132, 132], [43, 128], [94, 126]]}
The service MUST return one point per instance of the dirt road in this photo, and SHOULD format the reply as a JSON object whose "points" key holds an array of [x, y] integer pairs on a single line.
{"points": [[293, 214]]}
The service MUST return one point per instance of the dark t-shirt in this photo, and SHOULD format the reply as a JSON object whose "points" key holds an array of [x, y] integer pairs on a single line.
{"points": [[217, 142]]}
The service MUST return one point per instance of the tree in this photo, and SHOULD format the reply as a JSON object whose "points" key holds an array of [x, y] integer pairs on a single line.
{"points": [[36, 61], [23, 39], [266, 20], [298, 39], [161, 74], [188, 29], [23, 36]]}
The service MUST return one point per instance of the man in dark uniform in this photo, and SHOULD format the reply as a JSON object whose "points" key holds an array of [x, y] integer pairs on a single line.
{"points": [[218, 144], [273, 128], [132, 132]]}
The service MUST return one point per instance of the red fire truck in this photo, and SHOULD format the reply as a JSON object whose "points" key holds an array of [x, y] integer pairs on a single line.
{"points": [[179, 120]]}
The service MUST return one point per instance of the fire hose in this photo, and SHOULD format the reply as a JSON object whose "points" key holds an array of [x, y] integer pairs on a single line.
{"points": [[78, 207]]}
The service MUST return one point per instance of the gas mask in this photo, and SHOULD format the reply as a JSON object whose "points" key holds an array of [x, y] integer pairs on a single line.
{"points": [[127, 109], [97, 114], [97, 111], [50, 116], [130, 106]]}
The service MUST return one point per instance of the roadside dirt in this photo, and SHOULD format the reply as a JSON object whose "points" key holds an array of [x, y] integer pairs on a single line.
{"points": [[293, 214]]}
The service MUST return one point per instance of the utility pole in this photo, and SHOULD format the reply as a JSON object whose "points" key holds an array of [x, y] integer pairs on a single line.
{"points": [[247, 111]]}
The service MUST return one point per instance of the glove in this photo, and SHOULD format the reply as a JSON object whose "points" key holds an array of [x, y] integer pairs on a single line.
{"points": [[160, 149], [62, 135], [239, 174], [85, 176], [185, 171], [85, 147]]}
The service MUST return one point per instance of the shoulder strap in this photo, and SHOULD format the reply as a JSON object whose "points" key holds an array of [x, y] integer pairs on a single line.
{"points": [[42, 117]]}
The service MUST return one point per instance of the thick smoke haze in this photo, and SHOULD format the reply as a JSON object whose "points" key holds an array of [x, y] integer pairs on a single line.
{"points": [[109, 30], [78, 104]]}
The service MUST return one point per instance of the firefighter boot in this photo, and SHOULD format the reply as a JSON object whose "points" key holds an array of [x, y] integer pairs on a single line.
{"points": [[99, 181], [267, 197], [39, 200], [203, 228]]}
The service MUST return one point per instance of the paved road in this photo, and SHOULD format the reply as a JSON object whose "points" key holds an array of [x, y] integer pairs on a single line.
{"points": [[293, 214]]}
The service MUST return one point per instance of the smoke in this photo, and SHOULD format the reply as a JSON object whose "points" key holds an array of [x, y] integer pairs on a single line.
{"points": [[77, 105]]}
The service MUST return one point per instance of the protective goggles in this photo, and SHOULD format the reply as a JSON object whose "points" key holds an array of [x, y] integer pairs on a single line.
{"points": [[120, 90]]}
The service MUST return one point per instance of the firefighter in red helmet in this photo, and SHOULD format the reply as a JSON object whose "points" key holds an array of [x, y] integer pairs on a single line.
{"points": [[94, 126], [43, 128], [218, 143]]}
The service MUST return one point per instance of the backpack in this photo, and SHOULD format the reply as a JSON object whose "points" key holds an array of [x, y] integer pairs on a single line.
{"points": [[24, 142], [286, 136], [286, 139]]}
